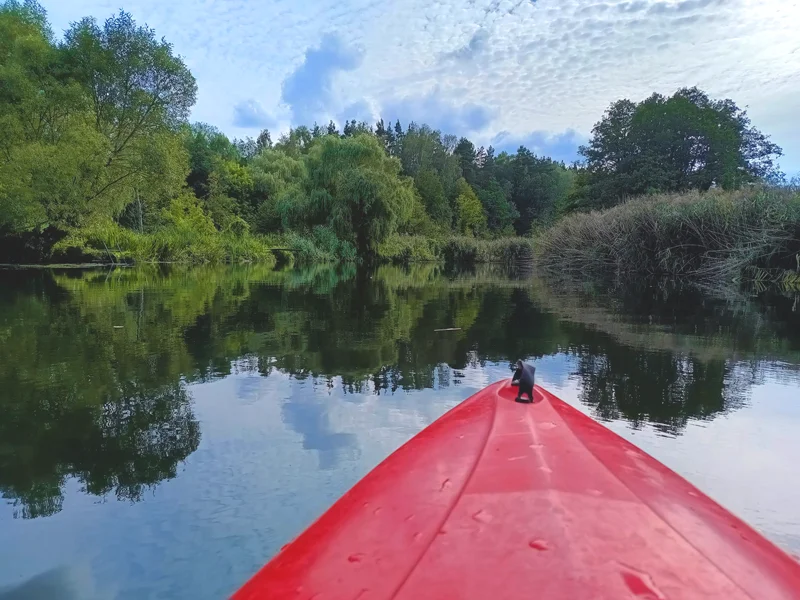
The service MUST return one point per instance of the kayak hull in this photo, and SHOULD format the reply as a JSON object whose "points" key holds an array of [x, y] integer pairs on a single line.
{"points": [[510, 500]]}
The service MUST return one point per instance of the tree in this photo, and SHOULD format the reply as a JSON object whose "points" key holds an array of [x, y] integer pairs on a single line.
{"points": [[534, 185], [58, 170], [27, 15], [137, 86], [386, 135], [470, 218], [396, 148], [431, 191], [467, 155], [264, 140], [358, 189], [425, 148], [686, 141], [500, 212], [207, 147], [93, 120], [247, 147], [296, 142]]}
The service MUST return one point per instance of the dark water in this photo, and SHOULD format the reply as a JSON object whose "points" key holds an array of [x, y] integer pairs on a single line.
{"points": [[163, 434]]}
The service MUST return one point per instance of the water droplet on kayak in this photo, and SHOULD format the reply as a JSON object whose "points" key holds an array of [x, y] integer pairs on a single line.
{"points": [[442, 532], [547, 425], [641, 584], [693, 494], [595, 492], [409, 517], [482, 516], [377, 510], [536, 446], [461, 437], [538, 545], [366, 504], [544, 469], [417, 535], [445, 484], [355, 558]]}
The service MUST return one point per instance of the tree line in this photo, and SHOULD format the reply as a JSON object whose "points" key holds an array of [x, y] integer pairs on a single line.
{"points": [[97, 152]]}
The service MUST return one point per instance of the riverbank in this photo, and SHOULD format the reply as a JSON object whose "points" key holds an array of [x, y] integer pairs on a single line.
{"points": [[112, 244], [709, 238]]}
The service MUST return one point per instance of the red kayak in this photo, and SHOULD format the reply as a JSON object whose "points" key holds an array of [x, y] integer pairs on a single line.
{"points": [[502, 500]]}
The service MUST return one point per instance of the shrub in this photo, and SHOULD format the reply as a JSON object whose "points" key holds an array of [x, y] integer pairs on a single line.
{"points": [[408, 248], [460, 250], [712, 236]]}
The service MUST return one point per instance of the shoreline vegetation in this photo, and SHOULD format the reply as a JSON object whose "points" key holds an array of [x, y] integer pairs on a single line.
{"points": [[99, 164], [711, 239]]}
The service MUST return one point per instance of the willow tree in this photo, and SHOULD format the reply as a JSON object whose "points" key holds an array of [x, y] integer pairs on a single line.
{"points": [[359, 188]]}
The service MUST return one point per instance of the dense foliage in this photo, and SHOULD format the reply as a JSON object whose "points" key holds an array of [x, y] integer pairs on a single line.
{"points": [[713, 238], [684, 142], [98, 161]]}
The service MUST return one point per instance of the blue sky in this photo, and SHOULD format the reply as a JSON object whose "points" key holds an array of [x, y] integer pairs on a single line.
{"points": [[500, 71]]}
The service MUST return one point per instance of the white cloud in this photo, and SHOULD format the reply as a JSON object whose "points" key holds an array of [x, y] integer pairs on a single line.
{"points": [[548, 66]]}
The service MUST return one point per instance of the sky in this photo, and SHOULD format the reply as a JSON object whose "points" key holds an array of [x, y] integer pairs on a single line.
{"points": [[502, 72]]}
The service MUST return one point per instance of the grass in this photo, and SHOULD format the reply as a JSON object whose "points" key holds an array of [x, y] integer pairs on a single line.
{"points": [[712, 237], [456, 250], [109, 243]]}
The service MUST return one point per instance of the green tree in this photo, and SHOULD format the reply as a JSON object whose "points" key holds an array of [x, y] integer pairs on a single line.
{"points": [[470, 218], [208, 147], [535, 185], [500, 212], [48, 148], [138, 89], [677, 143], [431, 191], [88, 127], [467, 156], [296, 142], [264, 140], [279, 184], [357, 188]]}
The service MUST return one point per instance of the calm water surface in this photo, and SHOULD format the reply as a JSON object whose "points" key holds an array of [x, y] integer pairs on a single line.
{"points": [[163, 433]]}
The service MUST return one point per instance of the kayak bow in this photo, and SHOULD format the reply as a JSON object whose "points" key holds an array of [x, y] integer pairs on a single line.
{"points": [[499, 499]]}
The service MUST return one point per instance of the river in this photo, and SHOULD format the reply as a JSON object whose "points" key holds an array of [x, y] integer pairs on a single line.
{"points": [[164, 431]]}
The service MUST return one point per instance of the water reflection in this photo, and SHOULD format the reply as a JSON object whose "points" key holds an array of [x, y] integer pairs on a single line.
{"points": [[307, 414], [94, 366]]}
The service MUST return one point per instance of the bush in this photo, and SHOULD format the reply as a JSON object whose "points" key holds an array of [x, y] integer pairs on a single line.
{"points": [[109, 242], [461, 250], [712, 236], [467, 250], [402, 249]]}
